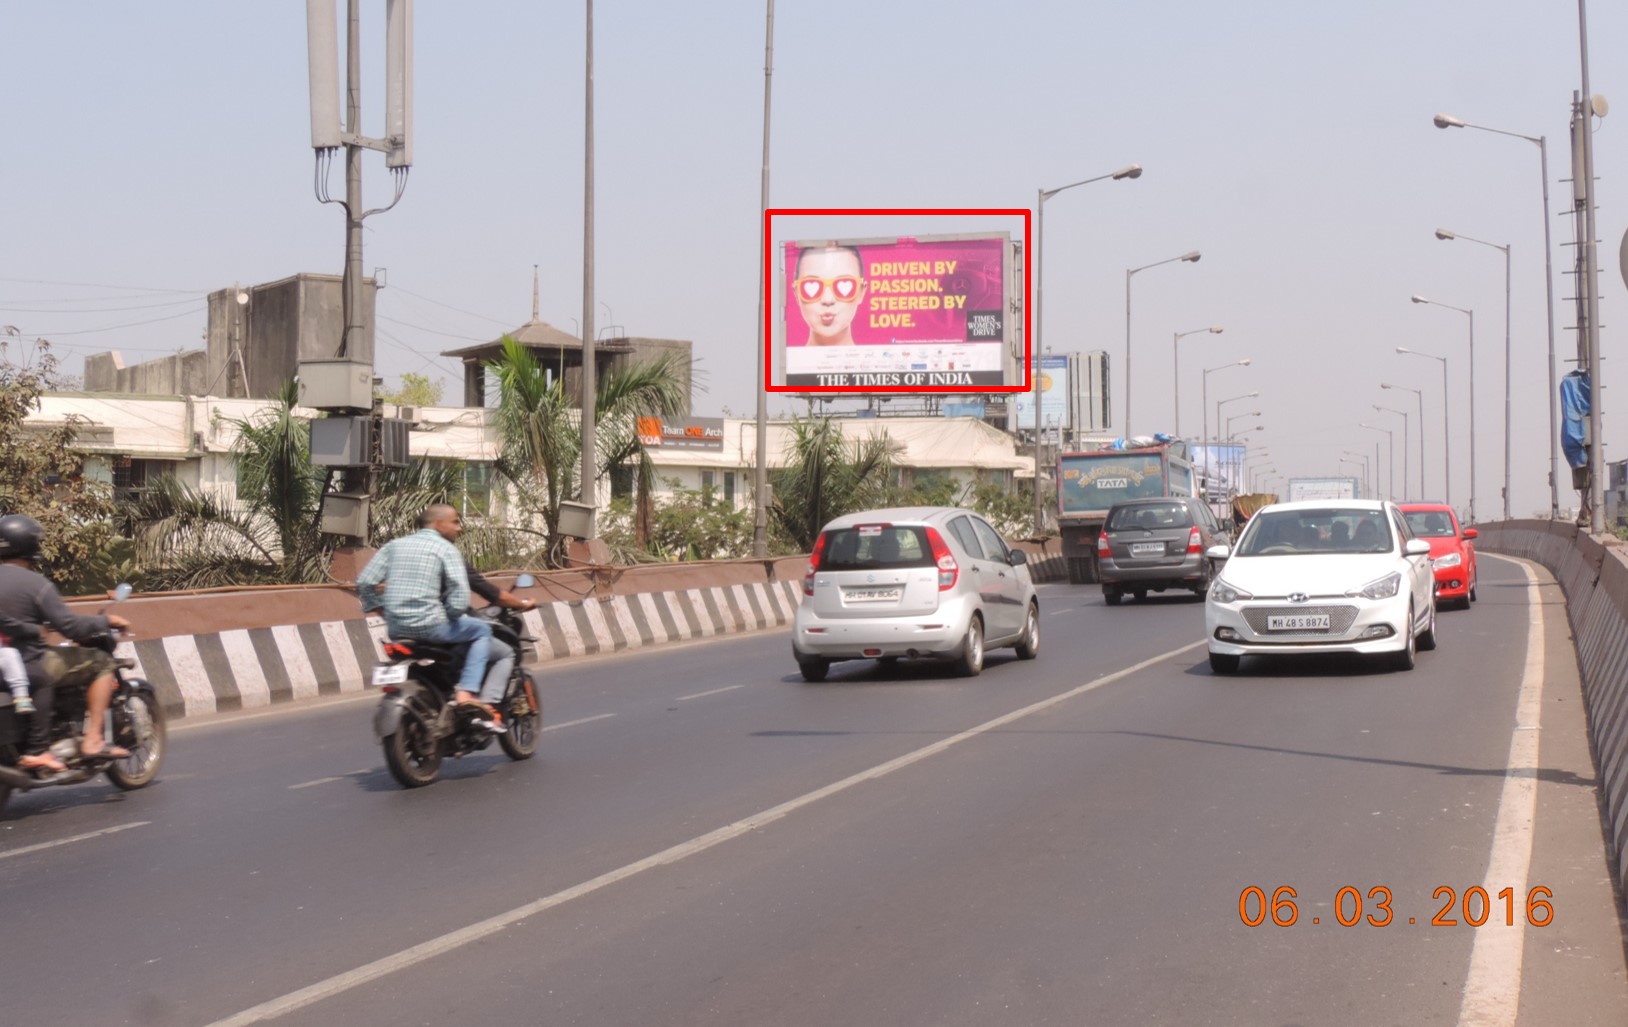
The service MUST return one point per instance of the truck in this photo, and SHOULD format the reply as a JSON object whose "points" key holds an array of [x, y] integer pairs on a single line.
{"points": [[1089, 483], [1323, 488]]}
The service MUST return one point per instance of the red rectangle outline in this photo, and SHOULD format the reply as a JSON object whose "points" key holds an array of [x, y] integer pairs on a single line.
{"points": [[769, 311]]}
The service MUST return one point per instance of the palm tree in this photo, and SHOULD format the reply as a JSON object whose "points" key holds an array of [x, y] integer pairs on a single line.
{"points": [[827, 476], [541, 431]]}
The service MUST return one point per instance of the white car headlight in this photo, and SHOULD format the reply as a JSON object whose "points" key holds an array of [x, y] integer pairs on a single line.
{"points": [[1221, 592], [1383, 588], [1450, 560]]}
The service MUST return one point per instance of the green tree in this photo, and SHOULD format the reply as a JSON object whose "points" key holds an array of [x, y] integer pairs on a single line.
{"points": [[42, 471], [541, 432], [827, 476], [417, 390]]}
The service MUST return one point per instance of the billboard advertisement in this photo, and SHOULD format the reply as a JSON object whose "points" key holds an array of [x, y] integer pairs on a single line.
{"points": [[1222, 464], [910, 313], [1055, 394]]}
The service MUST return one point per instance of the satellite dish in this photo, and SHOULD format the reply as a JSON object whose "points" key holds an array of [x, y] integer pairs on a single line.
{"points": [[1601, 108], [242, 299], [1622, 258]]}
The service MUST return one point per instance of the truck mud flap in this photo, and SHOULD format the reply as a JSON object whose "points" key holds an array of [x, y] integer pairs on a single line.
{"points": [[1082, 570]]}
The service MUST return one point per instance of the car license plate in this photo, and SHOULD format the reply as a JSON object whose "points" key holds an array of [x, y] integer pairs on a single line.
{"points": [[389, 673], [872, 595], [1147, 549], [1298, 622]]}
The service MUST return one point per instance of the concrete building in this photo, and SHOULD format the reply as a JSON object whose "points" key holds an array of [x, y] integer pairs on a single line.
{"points": [[256, 337], [134, 439], [560, 354]]}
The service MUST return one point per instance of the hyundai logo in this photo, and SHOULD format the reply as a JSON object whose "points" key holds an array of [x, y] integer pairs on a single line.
{"points": [[870, 579], [1298, 597]]}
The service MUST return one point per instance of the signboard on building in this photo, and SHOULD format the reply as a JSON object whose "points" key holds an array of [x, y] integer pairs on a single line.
{"points": [[920, 314], [690, 433]]}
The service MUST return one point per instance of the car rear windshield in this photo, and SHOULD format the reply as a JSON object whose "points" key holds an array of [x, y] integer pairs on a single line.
{"points": [[1288, 532], [1430, 523], [1149, 515], [868, 546]]}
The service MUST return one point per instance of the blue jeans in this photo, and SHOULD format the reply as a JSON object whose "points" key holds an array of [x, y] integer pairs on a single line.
{"points": [[478, 634]]}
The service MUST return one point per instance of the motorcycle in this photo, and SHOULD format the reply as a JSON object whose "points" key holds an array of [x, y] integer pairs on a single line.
{"points": [[418, 722], [137, 725]]}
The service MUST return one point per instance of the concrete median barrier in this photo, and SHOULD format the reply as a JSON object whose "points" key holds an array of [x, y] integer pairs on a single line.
{"points": [[1593, 574], [239, 649]]}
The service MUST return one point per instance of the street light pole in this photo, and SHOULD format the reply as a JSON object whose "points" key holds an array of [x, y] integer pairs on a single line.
{"points": [[1218, 427], [1367, 481], [1418, 394], [1393, 410], [1447, 121], [1447, 449], [1204, 408], [1390, 464], [760, 470], [1129, 171], [1471, 315], [1191, 258], [1175, 366], [1442, 233]]}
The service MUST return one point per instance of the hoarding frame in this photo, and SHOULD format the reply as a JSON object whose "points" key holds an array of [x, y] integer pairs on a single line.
{"points": [[777, 304]]}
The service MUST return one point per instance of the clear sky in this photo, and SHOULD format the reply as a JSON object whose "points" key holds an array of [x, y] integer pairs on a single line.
{"points": [[155, 152]]}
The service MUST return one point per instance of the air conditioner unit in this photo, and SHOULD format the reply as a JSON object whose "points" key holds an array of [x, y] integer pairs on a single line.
{"points": [[394, 436], [340, 441]]}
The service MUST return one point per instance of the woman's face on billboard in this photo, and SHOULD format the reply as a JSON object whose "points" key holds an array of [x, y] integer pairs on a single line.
{"points": [[830, 290]]}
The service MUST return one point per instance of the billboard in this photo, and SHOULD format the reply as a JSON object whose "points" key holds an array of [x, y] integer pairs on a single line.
{"points": [[1055, 396], [1223, 464], [926, 314]]}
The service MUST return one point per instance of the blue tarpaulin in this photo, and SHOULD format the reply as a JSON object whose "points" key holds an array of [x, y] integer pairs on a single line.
{"points": [[1575, 395]]}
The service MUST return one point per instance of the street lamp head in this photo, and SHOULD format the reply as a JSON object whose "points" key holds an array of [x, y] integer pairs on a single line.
{"points": [[1447, 121], [1403, 349], [1129, 171], [1215, 329], [1388, 385], [1244, 362], [1442, 233], [1420, 299], [1192, 258]]}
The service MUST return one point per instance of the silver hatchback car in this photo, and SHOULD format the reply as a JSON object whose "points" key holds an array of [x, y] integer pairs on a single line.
{"points": [[935, 582]]}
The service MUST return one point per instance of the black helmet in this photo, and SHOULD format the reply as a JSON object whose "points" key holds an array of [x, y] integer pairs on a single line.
{"points": [[20, 537]]}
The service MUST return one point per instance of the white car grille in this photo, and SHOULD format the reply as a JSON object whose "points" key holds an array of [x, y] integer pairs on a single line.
{"points": [[1339, 619]]}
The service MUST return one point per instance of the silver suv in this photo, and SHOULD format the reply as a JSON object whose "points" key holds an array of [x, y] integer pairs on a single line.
{"points": [[926, 581], [1149, 545]]}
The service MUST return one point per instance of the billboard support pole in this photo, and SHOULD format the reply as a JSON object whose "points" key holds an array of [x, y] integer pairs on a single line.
{"points": [[760, 473]]}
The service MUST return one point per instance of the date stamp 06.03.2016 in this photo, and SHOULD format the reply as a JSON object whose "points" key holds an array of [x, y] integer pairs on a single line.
{"points": [[1352, 907]]}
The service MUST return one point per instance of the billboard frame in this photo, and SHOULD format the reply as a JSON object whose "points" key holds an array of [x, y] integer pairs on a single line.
{"points": [[776, 299]]}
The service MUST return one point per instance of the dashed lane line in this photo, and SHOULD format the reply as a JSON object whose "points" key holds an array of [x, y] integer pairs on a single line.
{"points": [[714, 691], [445, 943], [25, 850]]}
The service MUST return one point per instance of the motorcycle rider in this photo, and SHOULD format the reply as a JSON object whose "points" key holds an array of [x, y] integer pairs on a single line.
{"points": [[27, 596], [420, 584]]}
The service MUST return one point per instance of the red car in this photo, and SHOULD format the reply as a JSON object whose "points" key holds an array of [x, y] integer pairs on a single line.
{"points": [[1451, 550]]}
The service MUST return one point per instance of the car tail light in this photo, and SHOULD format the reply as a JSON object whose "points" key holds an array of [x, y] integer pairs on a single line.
{"points": [[1103, 549], [813, 565], [948, 569], [1195, 542]]}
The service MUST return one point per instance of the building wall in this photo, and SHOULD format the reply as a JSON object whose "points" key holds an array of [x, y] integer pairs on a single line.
{"points": [[180, 374]]}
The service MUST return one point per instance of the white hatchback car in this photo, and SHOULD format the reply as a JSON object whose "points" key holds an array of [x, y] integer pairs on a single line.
{"points": [[1343, 576], [910, 582]]}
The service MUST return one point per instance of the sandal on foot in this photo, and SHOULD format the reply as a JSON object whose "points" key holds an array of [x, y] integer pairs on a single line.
{"points": [[107, 752]]}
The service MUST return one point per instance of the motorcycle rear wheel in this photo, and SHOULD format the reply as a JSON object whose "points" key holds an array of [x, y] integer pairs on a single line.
{"points": [[525, 720], [138, 725], [414, 758]]}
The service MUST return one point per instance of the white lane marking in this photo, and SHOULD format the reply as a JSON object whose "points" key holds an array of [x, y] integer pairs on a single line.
{"points": [[474, 932], [584, 720], [1056, 612], [1492, 988], [25, 850], [326, 780], [715, 691], [311, 784]]}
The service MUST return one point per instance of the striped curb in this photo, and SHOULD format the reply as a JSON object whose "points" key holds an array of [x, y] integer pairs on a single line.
{"points": [[249, 668]]}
